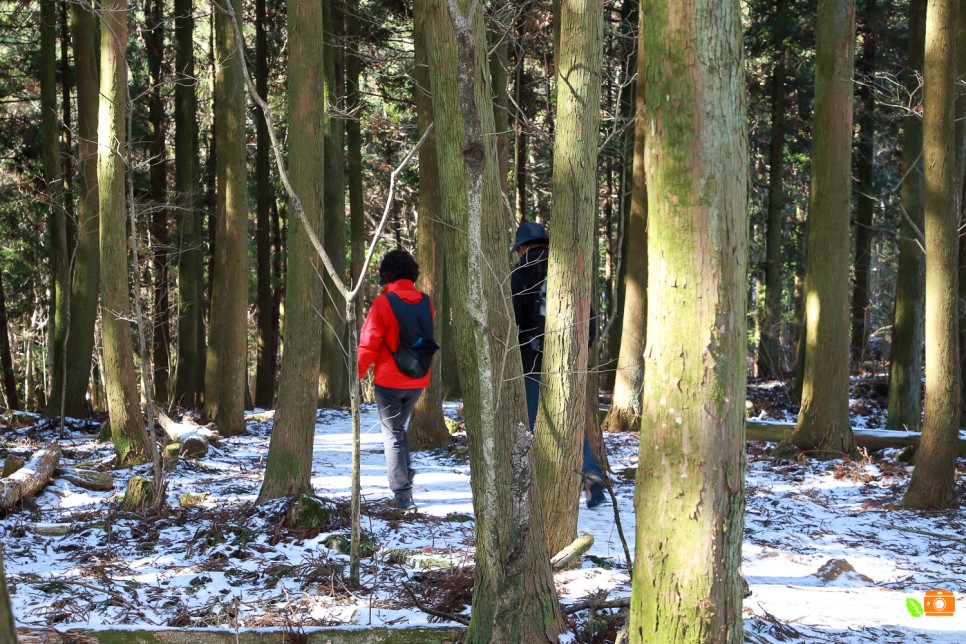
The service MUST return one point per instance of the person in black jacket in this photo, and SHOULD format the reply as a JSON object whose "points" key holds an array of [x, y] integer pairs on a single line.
{"points": [[528, 283]]}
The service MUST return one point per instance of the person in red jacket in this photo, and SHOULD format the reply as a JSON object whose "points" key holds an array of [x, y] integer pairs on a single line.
{"points": [[396, 393]]}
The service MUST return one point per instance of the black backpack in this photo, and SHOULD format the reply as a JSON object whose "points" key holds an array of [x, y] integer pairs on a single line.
{"points": [[417, 346]]}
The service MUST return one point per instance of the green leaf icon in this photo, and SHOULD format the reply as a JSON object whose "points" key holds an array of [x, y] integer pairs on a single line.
{"points": [[915, 608]]}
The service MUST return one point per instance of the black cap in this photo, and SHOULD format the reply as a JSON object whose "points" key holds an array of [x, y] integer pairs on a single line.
{"points": [[529, 231]]}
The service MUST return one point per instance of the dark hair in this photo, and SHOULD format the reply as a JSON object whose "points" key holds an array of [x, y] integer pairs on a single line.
{"points": [[397, 265]]}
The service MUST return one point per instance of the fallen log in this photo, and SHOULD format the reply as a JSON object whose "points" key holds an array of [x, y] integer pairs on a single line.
{"points": [[87, 479], [31, 478], [572, 553], [870, 439], [192, 439]]}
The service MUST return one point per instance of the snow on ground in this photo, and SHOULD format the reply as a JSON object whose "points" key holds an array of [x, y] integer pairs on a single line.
{"points": [[224, 563]]}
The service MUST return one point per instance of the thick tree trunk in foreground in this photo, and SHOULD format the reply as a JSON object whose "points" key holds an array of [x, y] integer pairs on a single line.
{"points": [[864, 185], [85, 280], [225, 370], [513, 596], [428, 429], [561, 417], [123, 402], [690, 482], [933, 480], [771, 363], [57, 223], [8, 627], [334, 363], [265, 362], [905, 369], [823, 422], [288, 471], [625, 411], [190, 372]]}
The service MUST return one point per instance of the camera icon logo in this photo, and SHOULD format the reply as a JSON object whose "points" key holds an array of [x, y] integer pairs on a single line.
{"points": [[939, 603]]}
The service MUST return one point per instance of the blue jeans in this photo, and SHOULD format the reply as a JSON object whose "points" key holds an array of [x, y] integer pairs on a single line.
{"points": [[531, 382]]}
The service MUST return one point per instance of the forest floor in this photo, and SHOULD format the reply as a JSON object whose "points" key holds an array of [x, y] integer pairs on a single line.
{"points": [[827, 554]]}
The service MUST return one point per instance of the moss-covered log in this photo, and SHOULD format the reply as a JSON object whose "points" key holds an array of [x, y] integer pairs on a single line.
{"points": [[140, 494], [87, 479]]}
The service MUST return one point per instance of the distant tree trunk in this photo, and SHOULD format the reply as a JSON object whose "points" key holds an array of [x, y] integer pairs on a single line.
{"points": [[933, 484], [53, 177], [690, 482], [499, 79], [190, 372], [823, 422], [6, 359], [625, 411], [561, 420], [771, 362], [513, 596], [353, 136], [333, 372], [905, 370], [288, 471], [85, 280], [154, 44], [428, 429], [520, 124], [863, 188], [67, 131], [266, 361], [123, 402], [225, 373]]}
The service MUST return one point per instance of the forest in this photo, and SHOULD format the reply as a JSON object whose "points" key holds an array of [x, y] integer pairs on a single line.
{"points": [[738, 418]]}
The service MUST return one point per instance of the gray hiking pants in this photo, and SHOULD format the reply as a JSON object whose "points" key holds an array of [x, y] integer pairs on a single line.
{"points": [[395, 406]]}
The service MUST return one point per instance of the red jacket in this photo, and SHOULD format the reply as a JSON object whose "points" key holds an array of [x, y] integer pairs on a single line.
{"points": [[380, 338]]}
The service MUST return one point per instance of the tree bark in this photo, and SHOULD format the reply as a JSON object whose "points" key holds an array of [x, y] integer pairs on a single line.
{"points": [[771, 362], [690, 482], [6, 360], [934, 478], [127, 422], [266, 360], [86, 275], [288, 471], [864, 188], [8, 626], [53, 177], [353, 136], [333, 369], [560, 427], [225, 372], [190, 372], [625, 412], [428, 428], [823, 422], [513, 597], [905, 369]]}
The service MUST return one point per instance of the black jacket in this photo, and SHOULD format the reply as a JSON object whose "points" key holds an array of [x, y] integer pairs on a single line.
{"points": [[526, 282]]}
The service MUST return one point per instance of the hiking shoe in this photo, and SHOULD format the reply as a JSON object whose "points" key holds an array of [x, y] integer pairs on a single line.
{"points": [[404, 500], [595, 494]]}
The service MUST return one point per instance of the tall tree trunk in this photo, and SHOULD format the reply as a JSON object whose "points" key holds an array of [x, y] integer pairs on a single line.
{"points": [[499, 79], [625, 411], [8, 626], [934, 478], [67, 132], [905, 370], [123, 402], [690, 482], [288, 471], [154, 44], [266, 361], [6, 359], [513, 596], [53, 177], [85, 280], [190, 372], [771, 362], [520, 122], [353, 136], [960, 170], [864, 185], [225, 372], [428, 429], [570, 278], [333, 372], [823, 422]]}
